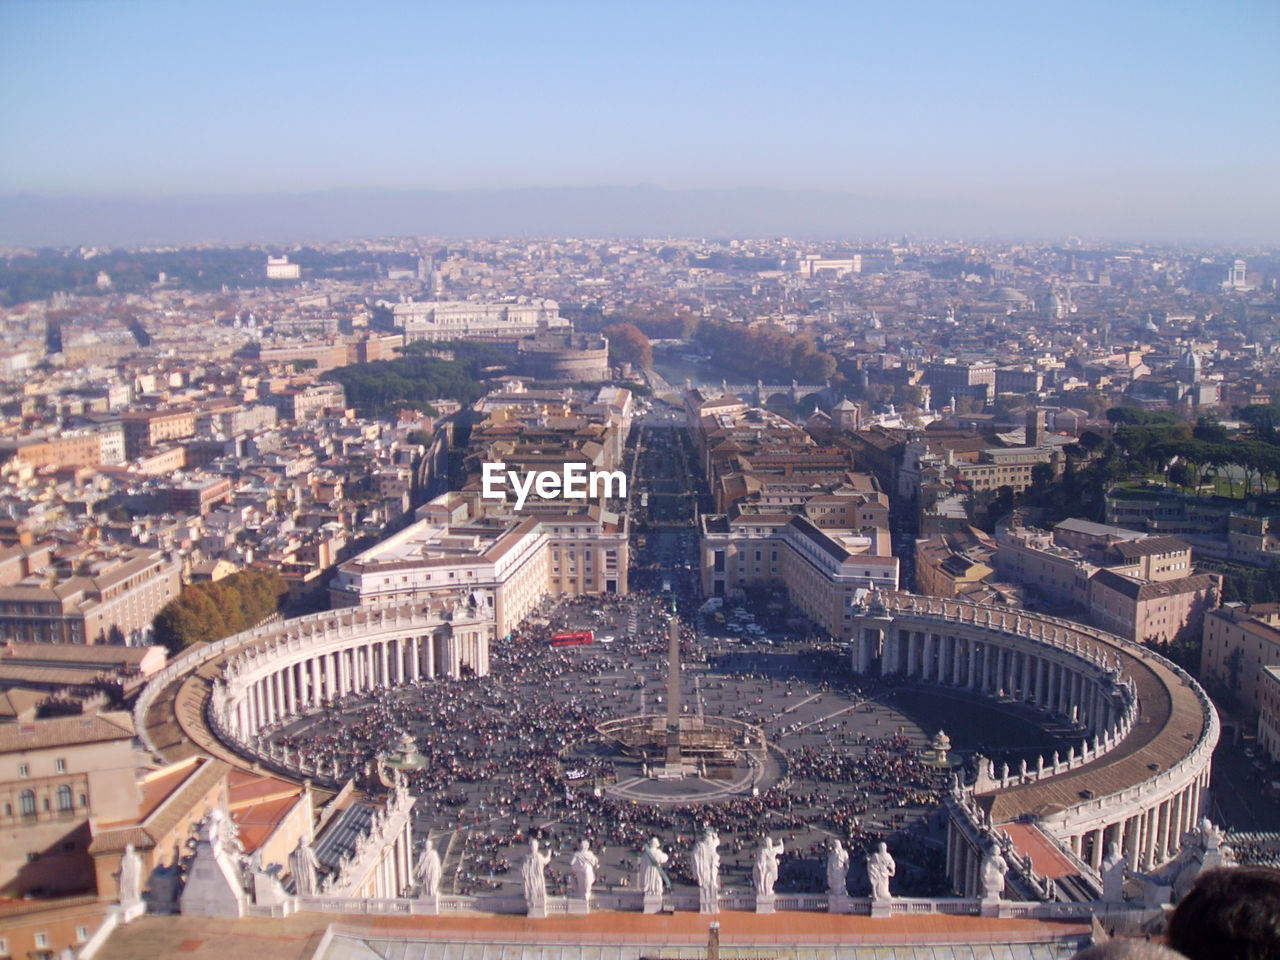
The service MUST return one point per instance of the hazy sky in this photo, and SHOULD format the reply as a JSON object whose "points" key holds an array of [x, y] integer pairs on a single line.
{"points": [[1029, 106]]}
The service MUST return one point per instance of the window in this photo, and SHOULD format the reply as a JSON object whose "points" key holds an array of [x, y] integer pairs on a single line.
{"points": [[82, 934], [27, 803], [24, 771], [42, 939], [65, 801], [60, 765]]}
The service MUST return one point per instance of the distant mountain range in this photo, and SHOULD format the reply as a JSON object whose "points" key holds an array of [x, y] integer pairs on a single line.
{"points": [[31, 220]]}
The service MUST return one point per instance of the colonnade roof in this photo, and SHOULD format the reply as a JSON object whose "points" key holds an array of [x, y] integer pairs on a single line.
{"points": [[1171, 721]]}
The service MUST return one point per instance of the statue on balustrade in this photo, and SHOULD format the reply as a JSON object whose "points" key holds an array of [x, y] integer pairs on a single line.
{"points": [[837, 868], [706, 868], [428, 870], [130, 877], [764, 873], [1113, 867], [653, 874], [532, 875], [880, 868], [584, 865], [994, 868], [304, 868]]}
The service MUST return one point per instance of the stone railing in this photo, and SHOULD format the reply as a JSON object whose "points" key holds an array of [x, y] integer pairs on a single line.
{"points": [[685, 902]]}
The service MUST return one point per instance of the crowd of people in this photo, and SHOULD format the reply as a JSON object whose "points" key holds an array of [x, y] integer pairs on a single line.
{"points": [[500, 765]]}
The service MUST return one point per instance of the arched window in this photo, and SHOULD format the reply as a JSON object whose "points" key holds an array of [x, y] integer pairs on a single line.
{"points": [[27, 803], [65, 800]]}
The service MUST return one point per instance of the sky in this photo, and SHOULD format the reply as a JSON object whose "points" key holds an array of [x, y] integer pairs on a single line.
{"points": [[1150, 117]]}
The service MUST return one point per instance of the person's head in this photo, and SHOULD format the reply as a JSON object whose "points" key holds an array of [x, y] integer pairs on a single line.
{"points": [[1230, 913], [1125, 949]]}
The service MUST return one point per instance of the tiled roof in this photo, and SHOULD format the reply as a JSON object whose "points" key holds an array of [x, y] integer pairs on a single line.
{"points": [[65, 731]]}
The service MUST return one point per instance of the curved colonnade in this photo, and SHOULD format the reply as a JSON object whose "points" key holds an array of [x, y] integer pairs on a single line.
{"points": [[269, 675], [1147, 728], [1138, 779]]}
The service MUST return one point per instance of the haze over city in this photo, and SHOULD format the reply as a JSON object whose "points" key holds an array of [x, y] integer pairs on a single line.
{"points": [[136, 122], [638, 479]]}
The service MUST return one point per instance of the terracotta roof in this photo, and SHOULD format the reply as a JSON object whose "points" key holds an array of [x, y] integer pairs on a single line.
{"points": [[1140, 590], [1132, 549], [165, 817], [66, 731]]}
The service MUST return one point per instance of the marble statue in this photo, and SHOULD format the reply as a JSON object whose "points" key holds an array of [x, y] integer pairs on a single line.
{"points": [[304, 867], [764, 873], [994, 867], [532, 875], [584, 865], [653, 875], [837, 869], [130, 876], [428, 870], [706, 869], [880, 868], [1113, 867]]}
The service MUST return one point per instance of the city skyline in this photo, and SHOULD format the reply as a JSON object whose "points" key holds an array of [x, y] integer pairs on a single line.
{"points": [[1145, 122]]}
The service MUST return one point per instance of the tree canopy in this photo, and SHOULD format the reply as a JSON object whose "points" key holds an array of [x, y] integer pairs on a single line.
{"points": [[204, 612]]}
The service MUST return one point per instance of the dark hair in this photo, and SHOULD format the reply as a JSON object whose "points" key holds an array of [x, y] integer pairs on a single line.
{"points": [[1230, 913]]}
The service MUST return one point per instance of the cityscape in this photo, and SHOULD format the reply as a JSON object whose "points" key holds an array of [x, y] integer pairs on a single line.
{"points": [[437, 561]]}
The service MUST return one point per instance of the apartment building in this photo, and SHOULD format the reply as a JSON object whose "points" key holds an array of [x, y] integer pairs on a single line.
{"points": [[84, 595], [55, 776], [1239, 642]]}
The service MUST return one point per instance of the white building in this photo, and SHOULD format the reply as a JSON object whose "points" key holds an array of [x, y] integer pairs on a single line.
{"points": [[279, 268], [454, 319]]}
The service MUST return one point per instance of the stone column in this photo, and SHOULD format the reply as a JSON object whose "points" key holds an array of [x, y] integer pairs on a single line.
{"points": [[277, 695], [971, 648], [385, 646], [1095, 858], [1168, 821], [889, 652], [414, 665], [1129, 840], [1149, 836], [1042, 671], [399, 662]]}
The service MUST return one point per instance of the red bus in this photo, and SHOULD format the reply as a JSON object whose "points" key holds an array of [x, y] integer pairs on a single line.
{"points": [[572, 639]]}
